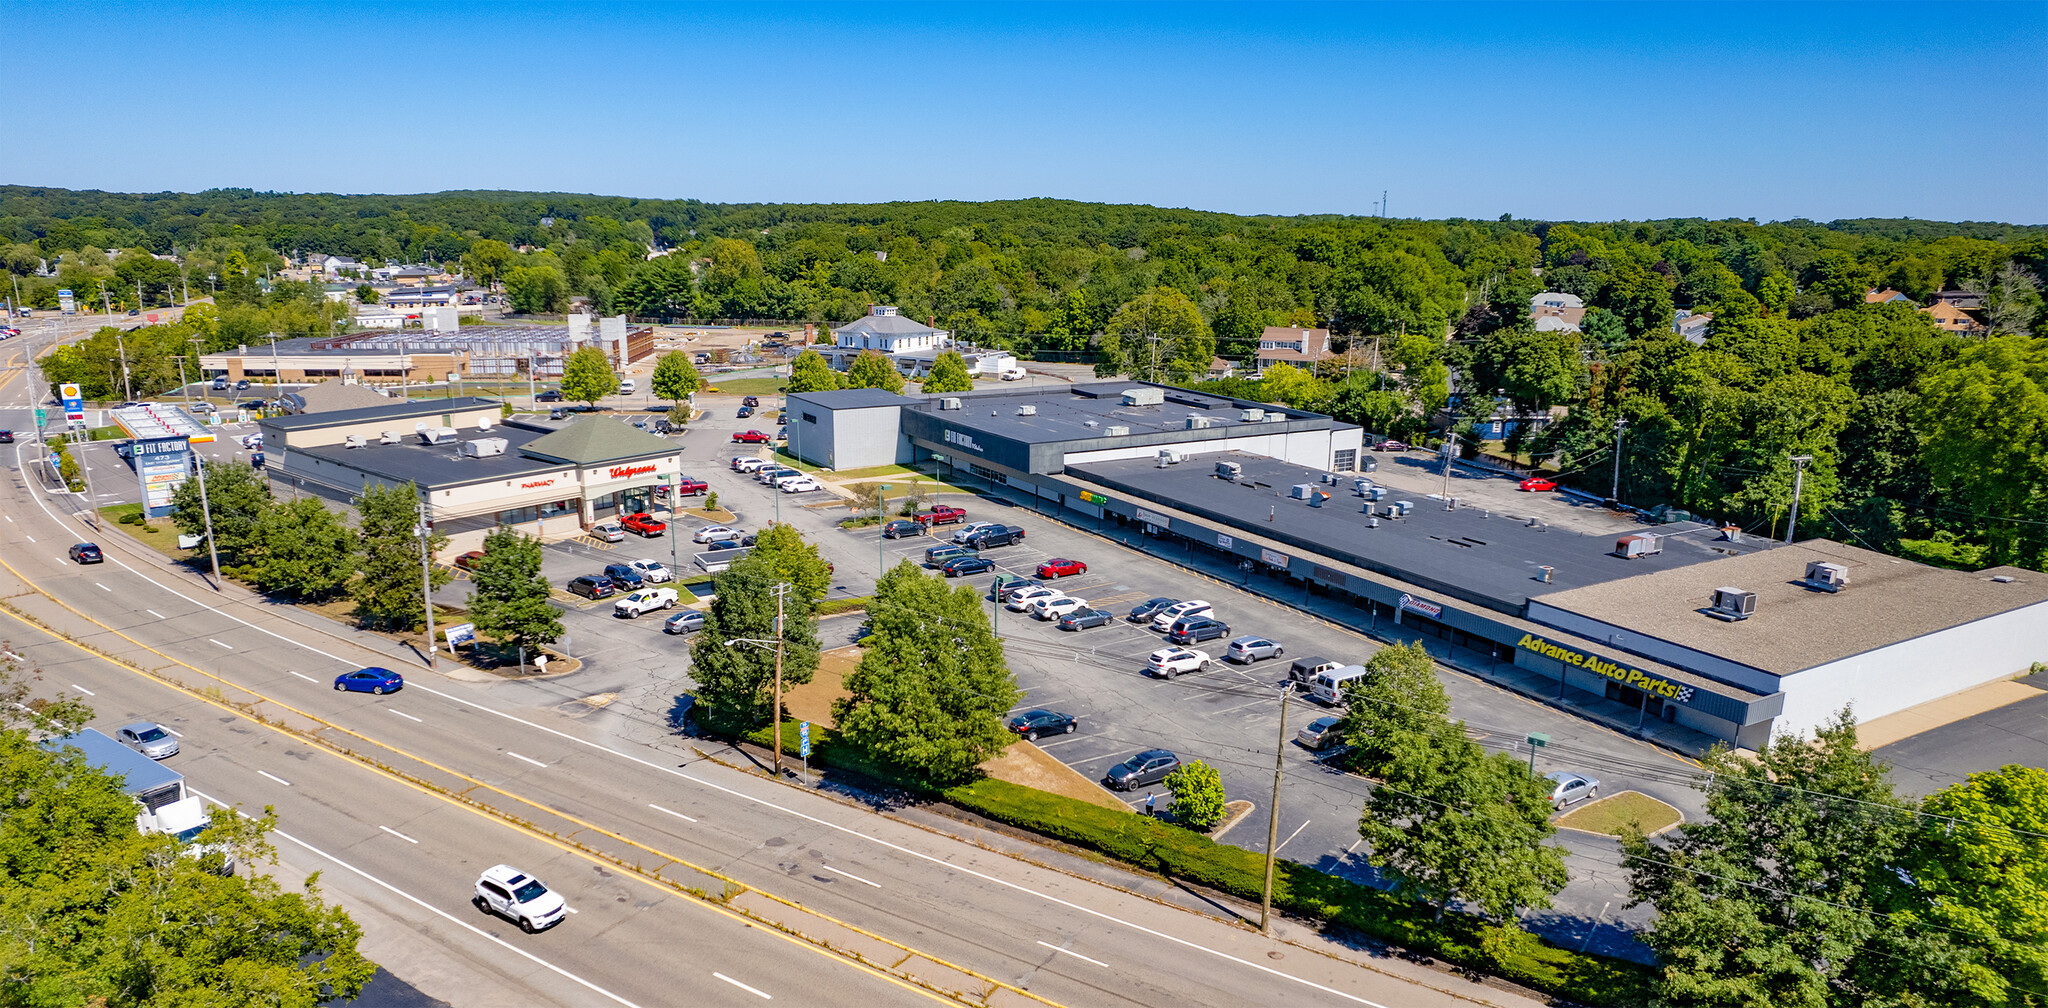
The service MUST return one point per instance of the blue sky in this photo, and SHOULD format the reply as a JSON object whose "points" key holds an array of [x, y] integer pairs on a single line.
{"points": [[1559, 111]]}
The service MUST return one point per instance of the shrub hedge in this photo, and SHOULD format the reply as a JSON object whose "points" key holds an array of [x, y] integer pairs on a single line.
{"points": [[1159, 846]]}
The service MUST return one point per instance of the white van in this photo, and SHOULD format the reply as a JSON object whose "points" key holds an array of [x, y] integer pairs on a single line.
{"points": [[1328, 687], [626, 386]]}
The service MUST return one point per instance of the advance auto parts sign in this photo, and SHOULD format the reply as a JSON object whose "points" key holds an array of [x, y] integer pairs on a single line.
{"points": [[1637, 678]]}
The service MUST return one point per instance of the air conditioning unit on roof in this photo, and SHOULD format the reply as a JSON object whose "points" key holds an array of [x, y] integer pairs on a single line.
{"points": [[1116, 430], [1252, 415], [1732, 605], [388, 437], [484, 447], [436, 435], [1828, 577], [950, 402], [1027, 410], [352, 441], [1198, 422], [1230, 470]]}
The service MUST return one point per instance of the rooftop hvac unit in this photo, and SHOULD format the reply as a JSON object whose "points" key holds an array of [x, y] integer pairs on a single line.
{"points": [[1230, 470], [1027, 410], [1171, 456], [1144, 396], [1317, 497], [1301, 491], [1630, 547], [1116, 430], [352, 441], [1828, 577], [1376, 493], [1403, 508], [1274, 418], [388, 437], [1369, 465], [1091, 423], [1253, 415], [950, 402], [1363, 486], [1198, 422], [1732, 604], [436, 435], [484, 447]]}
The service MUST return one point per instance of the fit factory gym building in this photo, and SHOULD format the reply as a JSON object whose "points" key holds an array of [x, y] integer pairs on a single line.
{"points": [[473, 470], [1685, 629]]}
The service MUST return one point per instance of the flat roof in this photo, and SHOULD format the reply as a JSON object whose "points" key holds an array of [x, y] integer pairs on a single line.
{"points": [[396, 410], [1471, 553], [411, 460], [856, 398], [1086, 411], [1888, 600]]}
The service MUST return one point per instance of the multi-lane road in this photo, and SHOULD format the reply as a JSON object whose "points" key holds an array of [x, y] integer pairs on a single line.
{"points": [[693, 880]]}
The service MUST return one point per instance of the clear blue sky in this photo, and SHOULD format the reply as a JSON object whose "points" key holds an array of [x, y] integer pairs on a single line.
{"points": [[1560, 111]]}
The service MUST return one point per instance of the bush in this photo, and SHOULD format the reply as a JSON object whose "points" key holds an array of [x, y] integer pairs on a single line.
{"points": [[1197, 795], [833, 607], [711, 501], [1160, 846]]}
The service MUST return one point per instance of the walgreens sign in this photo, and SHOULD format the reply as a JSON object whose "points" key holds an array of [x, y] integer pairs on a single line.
{"points": [[622, 472]]}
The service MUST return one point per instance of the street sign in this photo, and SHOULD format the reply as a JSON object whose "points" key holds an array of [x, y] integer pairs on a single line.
{"points": [[803, 735], [460, 634], [42, 416]]}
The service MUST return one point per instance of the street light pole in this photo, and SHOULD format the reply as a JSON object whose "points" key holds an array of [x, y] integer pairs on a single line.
{"points": [[122, 346], [781, 591], [881, 509], [1615, 493], [426, 585], [1798, 479]]}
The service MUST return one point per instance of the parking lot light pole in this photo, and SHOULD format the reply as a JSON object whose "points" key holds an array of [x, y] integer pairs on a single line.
{"points": [[426, 585], [881, 511]]}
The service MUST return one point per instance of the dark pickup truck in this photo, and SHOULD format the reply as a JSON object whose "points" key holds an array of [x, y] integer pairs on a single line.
{"points": [[998, 535], [941, 515]]}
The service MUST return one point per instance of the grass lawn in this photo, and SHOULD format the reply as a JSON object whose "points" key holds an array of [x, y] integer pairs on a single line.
{"points": [[878, 472], [746, 386], [1608, 815]]}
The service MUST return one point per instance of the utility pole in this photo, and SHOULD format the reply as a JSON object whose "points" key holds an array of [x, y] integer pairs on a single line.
{"points": [[1798, 480], [1450, 445], [781, 593], [1273, 813], [122, 346], [881, 514], [426, 585], [1615, 493], [206, 512]]}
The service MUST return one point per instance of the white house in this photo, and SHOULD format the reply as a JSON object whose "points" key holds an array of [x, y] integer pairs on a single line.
{"points": [[883, 329]]}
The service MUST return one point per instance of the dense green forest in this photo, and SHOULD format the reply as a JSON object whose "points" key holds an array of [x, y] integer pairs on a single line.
{"points": [[1923, 441]]}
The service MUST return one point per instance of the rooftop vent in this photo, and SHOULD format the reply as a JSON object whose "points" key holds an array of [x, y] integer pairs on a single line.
{"points": [[436, 435], [1116, 430], [1171, 456], [1091, 423], [1732, 605], [1543, 573], [2002, 578], [1828, 577], [1363, 486], [1252, 415], [352, 441], [484, 447], [1629, 547], [1274, 418], [950, 402], [1402, 509], [1199, 422], [1230, 470], [1027, 410], [1144, 396], [1301, 491], [388, 437]]}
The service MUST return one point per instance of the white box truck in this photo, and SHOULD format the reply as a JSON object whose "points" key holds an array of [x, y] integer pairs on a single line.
{"points": [[165, 806]]}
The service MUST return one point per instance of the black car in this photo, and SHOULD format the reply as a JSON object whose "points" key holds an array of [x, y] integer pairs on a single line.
{"points": [[751, 400], [745, 412], [1146, 768], [593, 586], [902, 527], [1033, 723], [548, 396], [625, 577], [1144, 611], [996, 535], [1194, 629], [87, 553], [782, 420], [1082, 619], [959, 566], [244, 383], [7, 437]]}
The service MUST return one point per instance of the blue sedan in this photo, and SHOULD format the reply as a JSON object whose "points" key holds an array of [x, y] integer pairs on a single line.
{"points": [[370, 680]]}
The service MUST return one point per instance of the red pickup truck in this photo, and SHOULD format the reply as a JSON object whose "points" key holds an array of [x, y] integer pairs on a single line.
{"points": [[941, 515], [687, 487], [645, 524]]}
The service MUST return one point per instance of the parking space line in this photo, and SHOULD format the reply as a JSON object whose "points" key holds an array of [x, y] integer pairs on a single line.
{"points": [[848, 874]]}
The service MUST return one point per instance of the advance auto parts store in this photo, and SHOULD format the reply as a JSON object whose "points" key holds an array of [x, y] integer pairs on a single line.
{"points": [[474, 472]]}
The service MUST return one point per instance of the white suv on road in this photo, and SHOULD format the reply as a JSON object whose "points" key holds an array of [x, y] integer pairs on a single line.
{"points": [[513, 894]]}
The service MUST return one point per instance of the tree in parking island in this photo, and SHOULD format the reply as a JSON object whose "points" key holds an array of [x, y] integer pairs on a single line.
{"points": [[675, 379], [1197, 791], [587, 376], [793, 559], [810, 373], [949, 374], [301, 550], [509, 601], [736, 681], [388, 592], [1398, 699], [932, 685]]}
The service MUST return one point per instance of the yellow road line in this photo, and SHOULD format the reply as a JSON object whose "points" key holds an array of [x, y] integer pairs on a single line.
{"points": [[585, 824]]}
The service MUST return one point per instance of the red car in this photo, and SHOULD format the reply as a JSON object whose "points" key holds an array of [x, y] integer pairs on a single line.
{"points": [[1061, 567], [689, 487], [644, 523], [1391, 445], [941, 515], [1537, 484], [470, 560], [750, 437]]}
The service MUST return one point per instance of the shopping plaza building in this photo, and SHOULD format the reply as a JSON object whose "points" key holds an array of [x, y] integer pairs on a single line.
{"points": [[1685, 624]]}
